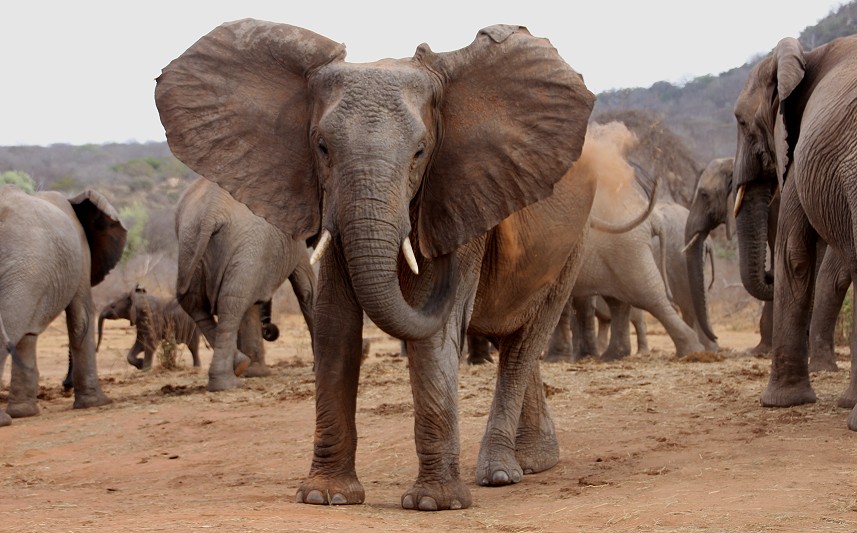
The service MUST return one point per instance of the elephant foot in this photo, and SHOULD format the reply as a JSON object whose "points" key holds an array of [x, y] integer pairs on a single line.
{"points": [[848, 399], [136, 362], [763, 348], [257, 370], [852, 420], [93, 399], [217, 383], [536, 452], [425, 496], [823, 364], [240, 364], [5, 419], [22, 409], [614, 354], [777, 395], [498, 468], [321, 490], [693, 346]]}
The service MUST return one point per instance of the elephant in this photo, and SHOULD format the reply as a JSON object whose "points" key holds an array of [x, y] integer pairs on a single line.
{"points": [[797, 141], [433, 182], [54, 250], [230, 263], [713, 204], [156, 320]]}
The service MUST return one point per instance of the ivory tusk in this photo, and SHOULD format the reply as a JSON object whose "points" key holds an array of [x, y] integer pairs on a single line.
{"points": [[739, 199], [691, 243], [409, 256], [320, 248]]}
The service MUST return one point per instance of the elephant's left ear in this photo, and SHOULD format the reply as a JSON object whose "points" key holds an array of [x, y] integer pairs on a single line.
{"points": [[791, 68], [104, 232], [513, 120]]}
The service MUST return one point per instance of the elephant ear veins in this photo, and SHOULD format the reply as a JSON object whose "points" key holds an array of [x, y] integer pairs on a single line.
{"points": [[513, 120], [236, 107], [104, 232]]}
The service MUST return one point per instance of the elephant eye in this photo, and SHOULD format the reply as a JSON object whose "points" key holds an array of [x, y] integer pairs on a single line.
{"points": [[420, 151], [322, 148]]}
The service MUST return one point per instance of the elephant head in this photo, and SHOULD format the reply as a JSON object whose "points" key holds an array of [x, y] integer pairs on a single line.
{"points": [[438, 148], [768, 126], [713, 204], [117, 309]]}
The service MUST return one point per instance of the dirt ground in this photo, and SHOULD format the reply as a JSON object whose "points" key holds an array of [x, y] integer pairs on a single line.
{"points": [[647, 444]]}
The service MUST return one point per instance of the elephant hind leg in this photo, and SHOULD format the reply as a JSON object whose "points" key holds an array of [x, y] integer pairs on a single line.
{"points": [[24, 385], [536, 446]]}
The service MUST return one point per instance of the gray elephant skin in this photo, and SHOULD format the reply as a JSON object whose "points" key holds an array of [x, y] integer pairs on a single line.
{"points": [[54, 250], [797, 139], [230, 263], [438, 183], [156, 320]]}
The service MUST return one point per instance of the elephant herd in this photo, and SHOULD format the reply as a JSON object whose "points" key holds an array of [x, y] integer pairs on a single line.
{"points": [[450, 196]]}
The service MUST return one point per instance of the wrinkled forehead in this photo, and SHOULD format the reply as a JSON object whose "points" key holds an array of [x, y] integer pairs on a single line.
{"points": [[756, 89], [394, 81]]}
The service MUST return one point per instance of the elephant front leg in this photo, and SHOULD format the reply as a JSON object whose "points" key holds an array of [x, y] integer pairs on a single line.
{"points": [[337, 346], [78, 317], [536, 446], [433, 366], [24, 385], [794, 274]]}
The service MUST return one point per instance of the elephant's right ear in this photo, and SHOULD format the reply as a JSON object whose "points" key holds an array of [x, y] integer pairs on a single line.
{"points": [[236, 108], [790, 70], [104, 232]]}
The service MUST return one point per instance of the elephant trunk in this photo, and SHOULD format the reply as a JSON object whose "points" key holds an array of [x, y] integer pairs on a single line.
{"points": [[101, 318], [696, 278], [752, 229], [371, 246]]}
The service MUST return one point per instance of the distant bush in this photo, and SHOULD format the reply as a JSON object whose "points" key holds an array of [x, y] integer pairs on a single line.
{"points": [[19, 178], [65, 184], [134, 217]]}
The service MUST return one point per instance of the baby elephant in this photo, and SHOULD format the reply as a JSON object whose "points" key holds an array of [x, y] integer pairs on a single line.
{"points": [[156, 319]]}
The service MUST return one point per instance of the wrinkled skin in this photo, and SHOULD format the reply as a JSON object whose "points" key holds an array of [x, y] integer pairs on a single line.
{"points": [[156, 319], [403, 149], [54, 250], [713, 205], [797, 135], [230, 263]]}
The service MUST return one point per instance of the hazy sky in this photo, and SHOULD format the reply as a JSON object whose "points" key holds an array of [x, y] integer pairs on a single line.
{"points": [[83, 71]]}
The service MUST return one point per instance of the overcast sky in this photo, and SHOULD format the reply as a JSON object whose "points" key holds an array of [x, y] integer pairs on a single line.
{"points": [[83, 71]]}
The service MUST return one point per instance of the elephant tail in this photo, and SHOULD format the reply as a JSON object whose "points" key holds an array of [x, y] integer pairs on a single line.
{"points": [[658, 231], [607, 227], [199, 233]]}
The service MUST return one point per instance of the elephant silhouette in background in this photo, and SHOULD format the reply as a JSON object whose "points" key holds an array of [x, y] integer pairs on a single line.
{"points": [[54, 250], [388, 160], [797, 140]]}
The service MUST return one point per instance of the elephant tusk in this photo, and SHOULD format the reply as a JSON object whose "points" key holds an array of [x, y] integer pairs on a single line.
{"points": [[409, 256], [691, 243], [320, 248], [739, 199]]}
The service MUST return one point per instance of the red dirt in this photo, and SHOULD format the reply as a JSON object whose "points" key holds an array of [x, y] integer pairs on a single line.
{"points": [[647, 444]]}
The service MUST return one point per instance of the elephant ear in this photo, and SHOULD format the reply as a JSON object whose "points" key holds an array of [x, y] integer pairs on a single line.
{"points": [[790, 70], [513, 120], [236, 108], [104, 232]]}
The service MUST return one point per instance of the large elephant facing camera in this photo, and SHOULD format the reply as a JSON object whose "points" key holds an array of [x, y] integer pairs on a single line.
{"points": [[797, 137], [442, 189], [53, 250]]}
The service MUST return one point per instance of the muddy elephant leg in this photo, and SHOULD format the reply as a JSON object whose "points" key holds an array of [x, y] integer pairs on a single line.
{"points": [[24, 385], [135, 350], [638, 319], [536, 446], [478, 350], [794, 264], [766, 330], [831, 285], [81, 341], [560, 347], [337, 347], [583, 327], [620, 331], [250, 343]]}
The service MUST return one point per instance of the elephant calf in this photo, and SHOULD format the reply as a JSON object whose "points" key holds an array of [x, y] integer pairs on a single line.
{"points": [[156, 320]]}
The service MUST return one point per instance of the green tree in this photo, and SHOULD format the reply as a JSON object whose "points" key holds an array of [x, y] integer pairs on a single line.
{"points": [[19, 178], [134, 217]]}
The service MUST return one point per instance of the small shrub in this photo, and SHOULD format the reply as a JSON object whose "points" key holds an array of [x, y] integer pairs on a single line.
{"points": [[19, 178]]}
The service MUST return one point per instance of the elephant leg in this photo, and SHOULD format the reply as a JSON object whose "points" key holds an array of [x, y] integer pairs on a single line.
{"points": [[193, 346], [848, 399], [303, 282], [135, 350], [560, 347], [337, 347], [67, 382], [602, 315], [149, 349], [536, 446], [794, 272], [620, 331], [24, 385], [583, 327], [831, 285], [766, 330], [78, 318], [478, 350], [638, 319], [227, 363], [250, 343]]}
